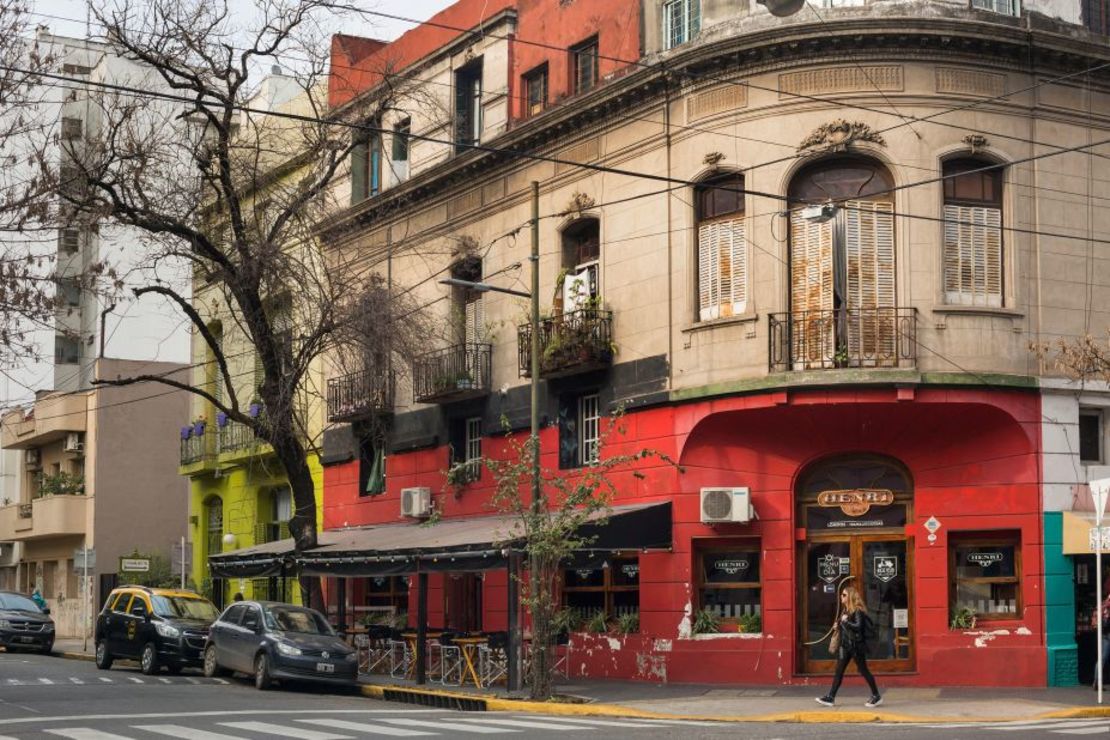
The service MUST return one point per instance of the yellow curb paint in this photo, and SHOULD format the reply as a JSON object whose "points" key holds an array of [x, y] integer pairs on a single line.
{"points": [[496, 704]]}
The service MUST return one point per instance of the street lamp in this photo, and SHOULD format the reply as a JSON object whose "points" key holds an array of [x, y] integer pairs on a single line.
{"points": [[534, 374]]}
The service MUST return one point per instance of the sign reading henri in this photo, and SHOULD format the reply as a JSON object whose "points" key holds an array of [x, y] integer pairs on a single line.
{"points": [[855, 508]]}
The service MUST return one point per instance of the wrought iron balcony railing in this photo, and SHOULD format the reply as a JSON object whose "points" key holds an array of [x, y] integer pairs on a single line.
{"points": [[843, 338], [452, 374], [234, 436], [572, 342], [360, 395], [270, 532], [193, 449]]}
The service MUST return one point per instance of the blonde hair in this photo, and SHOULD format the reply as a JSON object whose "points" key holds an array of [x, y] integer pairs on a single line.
{"points": [[855, 599]]}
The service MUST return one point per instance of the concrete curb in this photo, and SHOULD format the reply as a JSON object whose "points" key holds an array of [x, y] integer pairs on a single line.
{"points": [[497, 704], [75, 656]]}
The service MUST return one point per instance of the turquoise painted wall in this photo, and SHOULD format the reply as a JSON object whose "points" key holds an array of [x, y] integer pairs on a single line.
{"points": [[1059, 605]]}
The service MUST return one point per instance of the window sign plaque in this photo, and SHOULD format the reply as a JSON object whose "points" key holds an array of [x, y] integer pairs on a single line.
{"points": [[845, 566], [631, 570], [828, 568], [900, 619], [834, 519], [885, 568]]}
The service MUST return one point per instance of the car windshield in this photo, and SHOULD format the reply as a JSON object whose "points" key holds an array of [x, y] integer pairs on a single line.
{"points": [[185, 607], [292, 619], [18, 603]]}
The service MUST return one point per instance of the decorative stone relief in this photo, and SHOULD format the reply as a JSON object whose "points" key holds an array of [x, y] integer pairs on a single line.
{"points": [[976, 142], [887, 78], [713, 159], [970, 82], [838, 135], [718, 100], [579, 203]]}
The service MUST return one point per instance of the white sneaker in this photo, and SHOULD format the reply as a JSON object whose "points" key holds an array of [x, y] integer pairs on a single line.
{"points": [[874, 702], [825, 701]]}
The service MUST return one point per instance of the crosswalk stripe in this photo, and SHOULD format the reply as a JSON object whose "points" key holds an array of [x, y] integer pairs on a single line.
{"points": [[192, 681], [1048, 725], [133, 679], [447, 726], [222, 681], [527, 724], [165, 680], [279, 731], [46, 681], [104, 679], [342, 724], [76, 680], [84, 733], [14, 682], [1082, 731], [185, 733]]}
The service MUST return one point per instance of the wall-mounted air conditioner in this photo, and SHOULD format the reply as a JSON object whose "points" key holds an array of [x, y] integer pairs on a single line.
{"points": [[416, 502], [726, 505], [73, 442], [32, 458]]}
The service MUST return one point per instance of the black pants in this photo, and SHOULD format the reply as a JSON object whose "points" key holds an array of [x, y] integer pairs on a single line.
{"points": [[861, 664]]}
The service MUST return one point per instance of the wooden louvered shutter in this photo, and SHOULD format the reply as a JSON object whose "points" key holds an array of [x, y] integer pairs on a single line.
{"points": [[811, 292], [972, 255], [722, 269], [475, 318], [869, 249]]}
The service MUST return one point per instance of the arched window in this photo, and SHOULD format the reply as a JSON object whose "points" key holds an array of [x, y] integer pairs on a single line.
{"points": [[581, 258], [214, 525], [722, 248], [842, 278], [972, 233]]}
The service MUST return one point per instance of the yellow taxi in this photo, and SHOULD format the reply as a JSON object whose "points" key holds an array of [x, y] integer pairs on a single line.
{"points": [[158, 627]]}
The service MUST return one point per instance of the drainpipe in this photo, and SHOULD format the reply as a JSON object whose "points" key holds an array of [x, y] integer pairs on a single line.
{"points": [[670, 255], [103, 320]]}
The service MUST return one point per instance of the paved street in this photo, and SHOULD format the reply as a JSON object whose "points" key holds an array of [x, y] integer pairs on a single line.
{"points": [[44, 697]]}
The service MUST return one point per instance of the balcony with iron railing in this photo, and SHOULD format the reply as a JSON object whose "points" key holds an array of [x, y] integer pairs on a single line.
{"points": [[843, 338], [270, 532], [196, 448], [452, 374], [570, 343], [360, 395]]}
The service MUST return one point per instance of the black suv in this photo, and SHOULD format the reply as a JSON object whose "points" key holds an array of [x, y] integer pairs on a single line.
{"points": [[156, 626], [23, 624]]}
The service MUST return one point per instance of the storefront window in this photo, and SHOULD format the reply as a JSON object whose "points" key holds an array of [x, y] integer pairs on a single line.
{"points": [[611, 588], [986, 575], [388, 591], [729, 582]]}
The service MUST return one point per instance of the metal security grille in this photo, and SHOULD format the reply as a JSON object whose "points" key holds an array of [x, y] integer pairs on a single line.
{"points": [[589, 422]]}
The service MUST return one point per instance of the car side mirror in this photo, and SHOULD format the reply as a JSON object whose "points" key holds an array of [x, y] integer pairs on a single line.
{"points": [[46, 610]]}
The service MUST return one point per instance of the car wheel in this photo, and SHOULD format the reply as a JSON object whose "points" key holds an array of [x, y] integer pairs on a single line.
{"points": [[262, 679], [148, 661], [212, 667], [103, 657]]}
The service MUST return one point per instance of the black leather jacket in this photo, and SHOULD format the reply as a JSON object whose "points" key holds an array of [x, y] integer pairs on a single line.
{"points": [[853, 633]]}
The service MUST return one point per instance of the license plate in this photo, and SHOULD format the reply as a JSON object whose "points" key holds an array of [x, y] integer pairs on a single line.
{"points": [[26, 639], [325, 668]]}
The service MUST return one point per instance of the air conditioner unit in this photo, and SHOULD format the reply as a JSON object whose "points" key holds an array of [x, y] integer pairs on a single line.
{"points": [[73, 442], [726, 505], [416, 502], [32, 458]]}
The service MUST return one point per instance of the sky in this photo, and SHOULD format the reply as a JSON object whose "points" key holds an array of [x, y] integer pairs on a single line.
{"points": [[67, 17]]}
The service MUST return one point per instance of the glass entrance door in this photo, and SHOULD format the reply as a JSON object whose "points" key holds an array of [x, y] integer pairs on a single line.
{"points": [[879, 565]]}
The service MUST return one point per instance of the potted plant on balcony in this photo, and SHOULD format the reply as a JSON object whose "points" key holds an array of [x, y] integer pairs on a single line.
{"points": [[62, 484], [255, 408], [221, 419], [187, 431], [199, 424]]}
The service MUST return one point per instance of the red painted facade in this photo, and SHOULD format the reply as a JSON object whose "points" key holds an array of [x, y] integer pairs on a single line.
{"points": [[972, 456]]}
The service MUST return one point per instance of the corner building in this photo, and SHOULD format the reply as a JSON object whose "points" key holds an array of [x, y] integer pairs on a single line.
{"points": [[807, 257]]}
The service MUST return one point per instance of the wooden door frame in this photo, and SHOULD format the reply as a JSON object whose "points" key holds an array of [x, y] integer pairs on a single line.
{"points": [[856, 543]]}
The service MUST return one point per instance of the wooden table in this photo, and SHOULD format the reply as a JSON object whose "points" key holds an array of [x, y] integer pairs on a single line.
{"points": [[469, 647], [411, 638]]}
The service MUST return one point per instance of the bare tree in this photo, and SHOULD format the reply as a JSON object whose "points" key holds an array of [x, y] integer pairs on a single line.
{"points": [[232, 176]]}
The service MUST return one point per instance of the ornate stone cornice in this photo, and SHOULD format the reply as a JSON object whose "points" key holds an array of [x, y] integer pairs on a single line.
{"points": [[839, 135]]}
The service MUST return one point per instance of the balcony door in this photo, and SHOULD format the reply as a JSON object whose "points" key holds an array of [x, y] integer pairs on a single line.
{"points": [[842, 280]]}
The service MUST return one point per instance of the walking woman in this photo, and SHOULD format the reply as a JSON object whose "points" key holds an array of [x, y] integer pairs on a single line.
{"points": [[849, 642]]}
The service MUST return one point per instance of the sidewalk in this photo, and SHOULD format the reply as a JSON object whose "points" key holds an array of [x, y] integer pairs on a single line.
{"points": [[750, 703]]}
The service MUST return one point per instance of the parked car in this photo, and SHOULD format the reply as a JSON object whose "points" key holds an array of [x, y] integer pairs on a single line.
{"points": [[156, 626], [23, 624], [274, 641]]}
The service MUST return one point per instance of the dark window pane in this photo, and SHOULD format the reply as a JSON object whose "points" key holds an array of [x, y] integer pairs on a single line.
{"points": [[583, 577], [985, 561], [721, 197], [1090, 437], [731, 603], [585, 57], [973, 186], [625, 573], [988, 598]]}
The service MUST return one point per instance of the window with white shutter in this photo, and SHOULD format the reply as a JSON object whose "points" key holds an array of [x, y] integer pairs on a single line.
{"points": [[972, 251], [869, 250], [811, 292], [722, 250], [581, 262]]}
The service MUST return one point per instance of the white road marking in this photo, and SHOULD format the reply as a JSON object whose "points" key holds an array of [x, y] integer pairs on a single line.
{"points": [[273, 730], [46, 681], [84, 733], [185, 733], [1082, 731], [104, 679], [14, 682], [222, 681], [447, 726], [132, 679], [1047, 725], [76, 680], [526, 724], [165, 680], [222, 713], [192, 681], [342, 724]]}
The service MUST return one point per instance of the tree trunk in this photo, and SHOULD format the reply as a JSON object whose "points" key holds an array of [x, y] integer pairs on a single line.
{"points": [[290, 452], [541, 585]]}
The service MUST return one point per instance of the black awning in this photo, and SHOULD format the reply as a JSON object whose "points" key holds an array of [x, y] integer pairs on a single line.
{"points": [[474, 543]]}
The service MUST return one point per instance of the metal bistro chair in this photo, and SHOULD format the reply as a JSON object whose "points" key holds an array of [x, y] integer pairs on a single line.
{"points": [[493, 662], [400, 657], [449, 659], [378, 653]]}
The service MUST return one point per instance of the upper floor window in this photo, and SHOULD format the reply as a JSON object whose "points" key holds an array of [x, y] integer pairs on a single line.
{"points": [[366, 165], [681, 21], [468, 105], [1005, 7], [581, 259], [67, 350], [399, 156], [1096, 16], [69, 240], [214, 526], [579, 430], [722, 250], [583, 62], [466, 447], [535, 91], [1090, 436], [973, 267]]}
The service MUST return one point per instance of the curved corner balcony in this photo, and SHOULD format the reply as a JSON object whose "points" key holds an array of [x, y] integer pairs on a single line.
{"points": [[843, 338]]}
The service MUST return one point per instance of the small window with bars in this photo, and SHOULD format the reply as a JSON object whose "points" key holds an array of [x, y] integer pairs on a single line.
{"points": [[589, 425], [69, 240], [535, 91], [584, 59], [681, 22]]}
